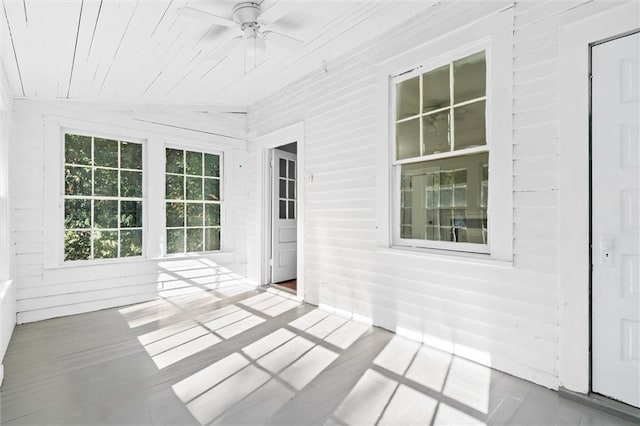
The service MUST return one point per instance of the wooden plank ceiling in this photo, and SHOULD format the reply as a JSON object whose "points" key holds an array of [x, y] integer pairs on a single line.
{"points": [[143, 51]]}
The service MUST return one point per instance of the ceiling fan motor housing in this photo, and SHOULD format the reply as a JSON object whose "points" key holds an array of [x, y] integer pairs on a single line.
{"points": [[246, 13]]}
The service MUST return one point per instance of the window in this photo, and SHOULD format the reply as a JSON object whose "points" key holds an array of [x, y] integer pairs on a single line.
{"points": [[192, 192], [287, 189], [442, 156], [103, 198]]}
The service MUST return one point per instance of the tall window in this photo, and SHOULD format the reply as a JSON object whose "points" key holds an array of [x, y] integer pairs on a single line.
{"points": [[103, 198], [441, 154], [192, 183]]}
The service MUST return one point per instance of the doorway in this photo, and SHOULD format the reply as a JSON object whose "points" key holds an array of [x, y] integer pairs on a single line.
{"points": [[615, 219], [284, 217]]}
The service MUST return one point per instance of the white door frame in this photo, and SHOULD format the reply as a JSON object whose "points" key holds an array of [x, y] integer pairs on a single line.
{"points": [[574, 271], [265, 143]]}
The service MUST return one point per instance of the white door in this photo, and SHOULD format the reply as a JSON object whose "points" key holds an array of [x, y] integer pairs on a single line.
{"points": [[616, 219], [284, 211]]}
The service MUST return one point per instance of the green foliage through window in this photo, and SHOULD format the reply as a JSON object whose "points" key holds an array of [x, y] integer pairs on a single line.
{"points": [[103, 198], [192, 192]]}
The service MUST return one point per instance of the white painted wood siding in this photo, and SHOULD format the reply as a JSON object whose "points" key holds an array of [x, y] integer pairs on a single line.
{"points": [[501, 314], [7, 283], [45, 290]]}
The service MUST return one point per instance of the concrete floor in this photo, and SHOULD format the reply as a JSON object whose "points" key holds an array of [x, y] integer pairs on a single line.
{"points": [[243, 356]]}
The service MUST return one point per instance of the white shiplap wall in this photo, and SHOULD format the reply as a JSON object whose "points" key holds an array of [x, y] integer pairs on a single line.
{"points": [[7, 283], [45, 290], [503, 315]]}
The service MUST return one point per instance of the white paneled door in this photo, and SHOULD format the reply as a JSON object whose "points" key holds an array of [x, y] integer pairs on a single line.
{"points": [[616, 219], [284, 214]]}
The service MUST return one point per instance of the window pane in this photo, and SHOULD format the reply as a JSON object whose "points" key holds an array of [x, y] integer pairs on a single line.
{"points": [[174, 187], [194, 240], [292, 169], [131, 184], [175, 240], [106, 182], [435, 89], [292, 209], [408, 98], [435, 132], [105, 244], [77, 245], [470, 77], [195, 216], [212, 189], [211, 165], [130, 155], [212, 239], [445, 199], [77, 180], [77, 149], [212, 214], [105, 152], [175, 161], [408, 139], [282, 210], [292, 189], [470, 125], [194, 188], [282, 168], [283, 188], [175, 214], [194, 163], [130, 214], [131, 243], [77, 214], [105, 214]]}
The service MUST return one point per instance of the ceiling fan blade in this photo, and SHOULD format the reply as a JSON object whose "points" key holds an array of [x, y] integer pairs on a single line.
{"points": [[272, 14], [201, 15], [282, 40], [227, 49]]}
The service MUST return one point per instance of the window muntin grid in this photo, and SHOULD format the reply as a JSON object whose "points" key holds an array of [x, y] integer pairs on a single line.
{"points": [[192, 201], [103, 187], [287, 189], [440, 124]]}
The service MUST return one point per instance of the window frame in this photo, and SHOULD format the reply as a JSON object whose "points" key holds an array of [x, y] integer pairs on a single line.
{"points": [[62, 196], [492, 33], [222, 202], [397, 164]]}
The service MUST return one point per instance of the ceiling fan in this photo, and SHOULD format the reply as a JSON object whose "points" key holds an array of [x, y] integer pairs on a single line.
{"points": [[253, 35]]}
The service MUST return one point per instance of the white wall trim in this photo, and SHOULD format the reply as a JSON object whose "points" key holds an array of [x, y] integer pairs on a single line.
{"points": [[573, 254], [289, 134]]}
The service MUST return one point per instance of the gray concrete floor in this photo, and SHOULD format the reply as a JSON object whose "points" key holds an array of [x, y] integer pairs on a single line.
{"points": [[243, 356]]}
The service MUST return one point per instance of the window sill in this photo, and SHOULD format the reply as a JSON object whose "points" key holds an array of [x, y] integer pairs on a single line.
{"points": [[215, 255], [446, 255]]}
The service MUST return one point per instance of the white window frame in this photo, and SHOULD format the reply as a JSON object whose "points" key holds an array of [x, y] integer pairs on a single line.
{"points": [[203, 150], [494, 35], [64, 196], [153, 195], [397, 164]]}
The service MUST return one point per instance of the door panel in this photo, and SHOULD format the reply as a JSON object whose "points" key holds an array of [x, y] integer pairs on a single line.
{"points": [[284, 227], [616, 219]]}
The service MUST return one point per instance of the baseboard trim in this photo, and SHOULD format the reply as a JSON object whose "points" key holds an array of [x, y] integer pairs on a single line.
{"points": [[609, 406]]}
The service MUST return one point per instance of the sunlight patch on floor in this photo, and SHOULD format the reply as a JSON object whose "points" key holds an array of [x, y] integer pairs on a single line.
{"points": [[270, 304], [411, 383], [266, 373]]}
